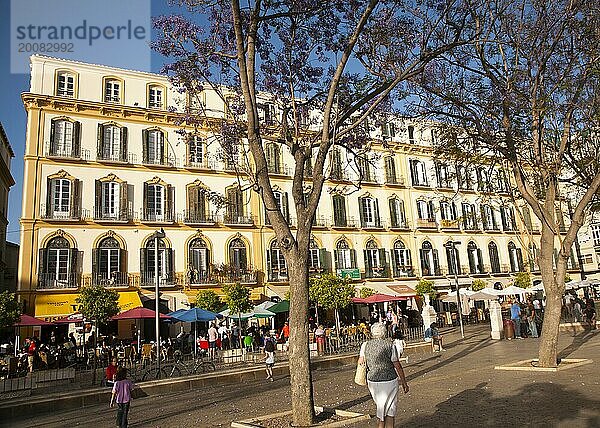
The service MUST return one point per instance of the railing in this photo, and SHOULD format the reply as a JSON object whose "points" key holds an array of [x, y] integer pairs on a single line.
{"points": [[279, 169], [320, 221], [339, 176], [491, 227], [426, 223], [112, 279], [204, 164], [449, 224], [195, 217], [351, 338], [164, 161], [238, 219], [52, 281], [70, 214], [73, 152], [100, 214], [112, 157], [403, 271], [377, 224], [244, 277], [398, 181], [377, 272], [147, 279], [165, 217], [278, 275], [399, 225], [350, 223]]}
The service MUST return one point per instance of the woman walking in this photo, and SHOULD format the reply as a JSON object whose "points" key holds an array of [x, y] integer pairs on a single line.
{"points": [[121, 393], [384, 371]]}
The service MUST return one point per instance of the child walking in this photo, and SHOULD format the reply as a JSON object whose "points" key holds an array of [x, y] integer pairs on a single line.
{"points": [[121, 393], [269, 358]]}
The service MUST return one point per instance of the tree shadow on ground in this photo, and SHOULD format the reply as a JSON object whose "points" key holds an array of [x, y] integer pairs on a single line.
{"points": [[537, 404], [578, 341]]}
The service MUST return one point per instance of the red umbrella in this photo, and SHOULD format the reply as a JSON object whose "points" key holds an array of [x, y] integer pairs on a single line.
{"points": [[380, 298], [70, 319], [29, 321], [138, 313]]}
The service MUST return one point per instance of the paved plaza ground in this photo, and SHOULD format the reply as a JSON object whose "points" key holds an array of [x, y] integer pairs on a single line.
{"points": [[455, 388]]}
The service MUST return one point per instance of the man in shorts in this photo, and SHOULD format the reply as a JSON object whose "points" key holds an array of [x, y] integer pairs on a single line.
{"points": [[213, 335]]}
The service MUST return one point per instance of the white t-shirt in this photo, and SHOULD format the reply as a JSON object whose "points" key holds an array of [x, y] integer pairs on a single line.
{"points": [[212, 334], [399, 345], [270, 357]]}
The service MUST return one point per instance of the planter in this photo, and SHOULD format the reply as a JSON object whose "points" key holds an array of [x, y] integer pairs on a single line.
{"points": [[330, 418]]}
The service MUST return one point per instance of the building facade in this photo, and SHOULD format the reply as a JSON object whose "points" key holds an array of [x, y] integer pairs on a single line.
{"points": [[7, 265], [106, 166]]}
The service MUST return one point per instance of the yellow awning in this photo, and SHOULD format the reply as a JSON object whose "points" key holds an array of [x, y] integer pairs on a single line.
{"points": [[54, 306]]}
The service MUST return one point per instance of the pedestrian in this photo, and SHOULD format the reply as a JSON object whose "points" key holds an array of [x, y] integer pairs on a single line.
{"points": [[224, 335], [31, 352], [121, 394], [269, 358], [384, 372], [320, 338], [577, 312], [399, 342], [235, 336], [590, 314], [111, 373], [432, 334], [531, 320], [213, 335], [515, 316], [569, 305]]}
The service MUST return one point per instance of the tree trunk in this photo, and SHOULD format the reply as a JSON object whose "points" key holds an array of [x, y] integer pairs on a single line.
{"points": [[299, 357]]}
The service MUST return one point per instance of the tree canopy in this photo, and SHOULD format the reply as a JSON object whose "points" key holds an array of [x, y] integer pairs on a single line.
{"points": [[331, 292], [209, 300], [98, 303], [237, 298], [10, 309]]}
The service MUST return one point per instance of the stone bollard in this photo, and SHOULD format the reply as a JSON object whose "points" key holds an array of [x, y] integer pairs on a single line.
{"points": [[496, 320]]}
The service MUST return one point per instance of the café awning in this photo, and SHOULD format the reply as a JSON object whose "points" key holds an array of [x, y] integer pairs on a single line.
{"points": [[53, 306]]}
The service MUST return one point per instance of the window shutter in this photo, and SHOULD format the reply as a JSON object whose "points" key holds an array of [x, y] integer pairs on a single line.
{"points": [[49, 201], [100, 142], [520, 259], [483, 217], [284, 208], [442, 210], [413, 172], [367, 262], [454, 214], [145, 203], [74, 255], [143, 261], [376, 212], [170, 262], [361, 206], [123, 208], [122, 261], [98, 209], [76, 140], [503, 217], [163, 155], [480, 260], [52, 143], [431, 211], [393, 212], [145, 143], [76, 199], [419, 211], [423, 257], [407, 257], [42, 266], [353, 264], [243, 259], [170, 202], [95, 263], [336, 256], [322, 258], [124, 137], [269, 266], [436, 262], [450, 260], [395, 262]]}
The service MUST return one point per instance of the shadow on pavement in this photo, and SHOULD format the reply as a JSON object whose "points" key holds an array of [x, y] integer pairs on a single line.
{"points": [[578, 340], [537, 404]]}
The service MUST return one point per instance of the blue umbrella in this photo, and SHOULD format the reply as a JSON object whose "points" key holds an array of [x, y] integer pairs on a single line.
{"points": [[173, 315], [195, 315]]}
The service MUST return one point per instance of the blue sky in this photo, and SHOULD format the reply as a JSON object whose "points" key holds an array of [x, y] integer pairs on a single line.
{"points": [[12, 112]]}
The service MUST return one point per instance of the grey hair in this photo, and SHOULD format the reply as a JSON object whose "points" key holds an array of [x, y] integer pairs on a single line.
{"points": [[378, 330]]}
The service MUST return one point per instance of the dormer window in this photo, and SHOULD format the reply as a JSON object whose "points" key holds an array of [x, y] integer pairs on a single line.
{"points": [[65, 84], [112, 90], [156, 97]]}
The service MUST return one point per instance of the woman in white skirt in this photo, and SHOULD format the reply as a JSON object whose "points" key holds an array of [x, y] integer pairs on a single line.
{"points": [[384, 371]]}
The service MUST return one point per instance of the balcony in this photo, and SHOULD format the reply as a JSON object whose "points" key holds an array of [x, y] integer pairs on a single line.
{"points": [[279, 170], [471, 227], [150, 216], [168, 161], [449, 224], [417, 183], [70, 214], [424, 223], [375, 224], [238, 220], [112, 279], [403, 271], [369, 178], [394, 181], [119, 157], [347, 223], [169, 279], [198, 217], [400, 225], [54, 281], [320, 222], [275, 275], [103, 215], [203, 164], [491, 227], [377, 272], [533, 229], [339, 175], [66, 152]]}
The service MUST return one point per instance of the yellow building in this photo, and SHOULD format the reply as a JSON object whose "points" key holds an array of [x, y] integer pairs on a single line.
{"points": [[105, 168]]}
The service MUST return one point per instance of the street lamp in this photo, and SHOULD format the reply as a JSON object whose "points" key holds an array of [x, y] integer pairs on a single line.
{"points": [[157, 236], [451, 245]]}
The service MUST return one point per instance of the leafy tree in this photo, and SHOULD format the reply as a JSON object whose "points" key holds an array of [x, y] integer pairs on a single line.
{"points": [[522, 279], [366, 292], [478, 284], [295, 55], [331, 292], [209, 300], [425, 288], [98, 303], [10, 309], [238, 301], [523, 99]]}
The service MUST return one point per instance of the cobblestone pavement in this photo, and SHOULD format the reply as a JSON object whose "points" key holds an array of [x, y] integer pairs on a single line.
{"points": [[455, 388]]}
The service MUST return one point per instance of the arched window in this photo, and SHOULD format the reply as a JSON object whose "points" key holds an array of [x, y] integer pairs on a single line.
{"points": [[58, 264], [112, 142], [159, 200], [494, 257], [148, 260], [111, 199], [276, 263], [397, 214], [113, 90], [430, 263], [198, 205], [63, 197], [316, 262], [156, 96], [516, 257], [369, 212], [153, 152], [273, 155], [198, 261], [375, 260], [66, 82], [108, 263], [65, 138], [475, 258], [238, 257], [401, 261], [533, 257], [345, 257], [339, 211], [453, 259], [335, 162]]}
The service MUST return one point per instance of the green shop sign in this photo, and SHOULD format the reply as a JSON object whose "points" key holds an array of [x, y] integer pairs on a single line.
{"points": [[349, 273]]}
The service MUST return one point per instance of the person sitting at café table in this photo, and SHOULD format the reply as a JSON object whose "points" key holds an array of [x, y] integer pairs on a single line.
{"points": [[111, 372]]}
